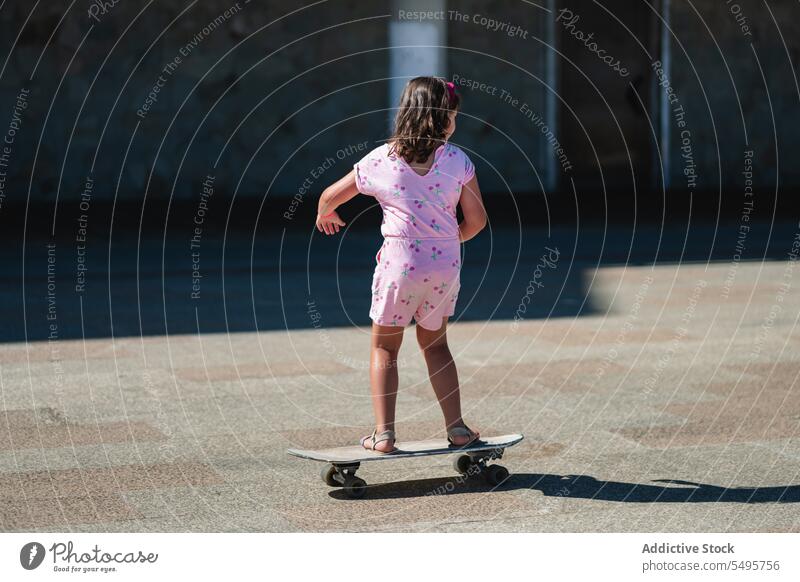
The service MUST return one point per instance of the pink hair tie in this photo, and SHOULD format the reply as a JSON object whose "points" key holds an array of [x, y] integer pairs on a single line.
{"points": [[451, 90], [328, 215]]}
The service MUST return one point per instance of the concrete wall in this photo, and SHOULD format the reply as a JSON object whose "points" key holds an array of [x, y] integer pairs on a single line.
{"points": [[714, 61], [65, 77], [79, 115], [508, 56]]}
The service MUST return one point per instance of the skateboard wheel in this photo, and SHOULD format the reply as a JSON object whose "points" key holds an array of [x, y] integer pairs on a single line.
{"points": [[328, 471], [462, 464], [496, 474], [355, 487]]}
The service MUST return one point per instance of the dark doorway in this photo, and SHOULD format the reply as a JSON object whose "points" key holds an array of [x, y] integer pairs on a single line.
{"points": [[605, 74]]}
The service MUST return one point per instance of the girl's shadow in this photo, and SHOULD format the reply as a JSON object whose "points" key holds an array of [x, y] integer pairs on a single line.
{"points": [[586, 487]]}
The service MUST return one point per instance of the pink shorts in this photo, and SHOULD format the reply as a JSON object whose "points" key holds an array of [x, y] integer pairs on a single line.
{"points": [[416, 278]]}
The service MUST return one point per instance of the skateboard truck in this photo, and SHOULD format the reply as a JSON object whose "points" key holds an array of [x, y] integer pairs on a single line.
{"points": [[344, 475], [468, 463]]}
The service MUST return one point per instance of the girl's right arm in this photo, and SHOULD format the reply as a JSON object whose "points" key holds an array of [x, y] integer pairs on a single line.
{"points": [[473, 209], [328, 220]]}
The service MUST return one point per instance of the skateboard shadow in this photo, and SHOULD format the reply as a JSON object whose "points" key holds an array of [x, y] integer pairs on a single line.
{"points": [[586, 487]]}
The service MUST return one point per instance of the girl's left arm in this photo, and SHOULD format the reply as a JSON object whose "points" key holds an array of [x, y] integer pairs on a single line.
{"points": [[333, 196]]}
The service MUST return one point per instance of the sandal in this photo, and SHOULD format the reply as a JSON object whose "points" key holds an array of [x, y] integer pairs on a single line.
{"points": [[375, 437], [458, 431]]}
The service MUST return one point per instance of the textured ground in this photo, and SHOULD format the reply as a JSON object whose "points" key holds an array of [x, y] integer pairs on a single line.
{"points": [[672, 406]]}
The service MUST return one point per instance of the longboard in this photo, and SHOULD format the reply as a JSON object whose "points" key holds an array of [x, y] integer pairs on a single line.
{"points": [[342, 462]]}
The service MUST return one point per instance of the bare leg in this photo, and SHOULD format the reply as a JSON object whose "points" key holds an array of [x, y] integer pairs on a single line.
{"points": [[443, 375], [383, 379]]}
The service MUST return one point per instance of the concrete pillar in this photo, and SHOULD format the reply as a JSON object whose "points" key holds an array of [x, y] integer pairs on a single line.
{"points": [[418, 46]]}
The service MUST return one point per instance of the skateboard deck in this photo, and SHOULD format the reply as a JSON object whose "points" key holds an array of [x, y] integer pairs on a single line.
{"points": [[358, 454], [341, 463]]}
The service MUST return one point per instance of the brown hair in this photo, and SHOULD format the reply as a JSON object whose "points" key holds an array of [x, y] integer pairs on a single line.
{"points": [[422, 117]]}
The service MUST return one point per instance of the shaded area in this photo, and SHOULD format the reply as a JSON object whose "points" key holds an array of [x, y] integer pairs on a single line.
{"points": [[292, 279]]}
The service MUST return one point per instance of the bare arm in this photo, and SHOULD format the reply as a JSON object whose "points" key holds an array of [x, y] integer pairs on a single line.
{"points": [[332, 197], [473, 209]]}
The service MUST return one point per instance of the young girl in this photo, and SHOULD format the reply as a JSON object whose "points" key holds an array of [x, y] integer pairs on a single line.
{"points": [[418, 178]]}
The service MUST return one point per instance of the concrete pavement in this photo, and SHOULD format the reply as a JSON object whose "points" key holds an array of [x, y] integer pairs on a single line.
{"points": [[671, 405]]}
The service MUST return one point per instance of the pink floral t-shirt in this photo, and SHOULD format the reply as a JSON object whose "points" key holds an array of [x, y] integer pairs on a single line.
{"points": [[416, 206]]}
